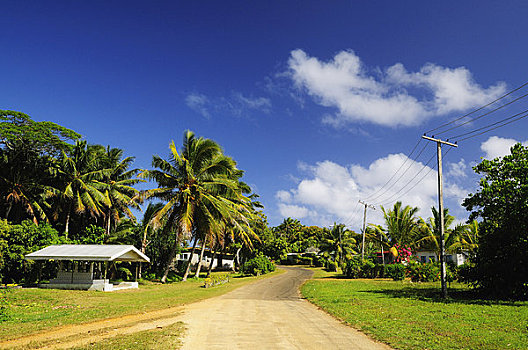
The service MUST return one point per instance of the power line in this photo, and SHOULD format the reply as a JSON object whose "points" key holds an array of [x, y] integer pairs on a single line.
{"points": [[487, 126], [407, 184], [482, 115], [499, 126], [398, 179], [393, 175], [478, 109]]}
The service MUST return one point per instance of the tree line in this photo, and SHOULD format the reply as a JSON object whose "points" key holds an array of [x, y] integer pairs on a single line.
{"points": [[56, 188]]}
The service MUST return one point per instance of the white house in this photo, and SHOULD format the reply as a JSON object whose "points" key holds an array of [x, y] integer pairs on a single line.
{"points": [[222, 261], [429, 255], [84, 266]]}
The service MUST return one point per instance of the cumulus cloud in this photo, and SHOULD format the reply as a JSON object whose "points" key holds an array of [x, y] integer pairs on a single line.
{"points": [[457, 169], [235, 104], [383, 98], [330, 191], [498, 146]]}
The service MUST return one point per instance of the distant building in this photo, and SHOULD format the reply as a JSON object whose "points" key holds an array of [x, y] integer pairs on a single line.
{"points": [[222, 261], [429, 255]]}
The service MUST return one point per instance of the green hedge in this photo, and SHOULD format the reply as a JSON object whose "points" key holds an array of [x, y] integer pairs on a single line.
{"points": [[259, 265]]}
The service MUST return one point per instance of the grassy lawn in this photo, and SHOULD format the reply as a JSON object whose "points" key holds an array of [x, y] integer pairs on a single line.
{"points": [[34, 310], [412, 316]]}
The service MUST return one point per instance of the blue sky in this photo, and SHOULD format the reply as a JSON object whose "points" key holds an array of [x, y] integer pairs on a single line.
{"points": [[319, 102]]}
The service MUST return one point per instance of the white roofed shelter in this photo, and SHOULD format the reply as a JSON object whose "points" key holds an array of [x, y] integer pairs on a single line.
{"points": [[85, 266]]}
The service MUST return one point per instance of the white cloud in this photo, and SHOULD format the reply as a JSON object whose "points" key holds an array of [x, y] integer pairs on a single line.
{"points": [[236, 104], [382, 98], [457, 169], [293, 211], [283, 196], [330, 192], [198, 103], [498, 146]]}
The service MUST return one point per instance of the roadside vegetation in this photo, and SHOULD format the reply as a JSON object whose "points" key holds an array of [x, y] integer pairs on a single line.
{"points": [[409, 315], [57, 188], [33, 310]]}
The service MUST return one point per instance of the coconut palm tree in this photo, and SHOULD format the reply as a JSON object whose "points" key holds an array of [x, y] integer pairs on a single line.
{"points": [[191, 183], [338, 243], [117, 186], [401, 224], [430, 232], [79, 188]]}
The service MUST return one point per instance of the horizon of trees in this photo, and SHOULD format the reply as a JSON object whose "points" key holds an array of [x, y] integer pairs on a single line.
{"points": [[63, 189]]}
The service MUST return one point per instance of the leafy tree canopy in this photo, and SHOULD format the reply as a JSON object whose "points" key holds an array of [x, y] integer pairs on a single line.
{"points": [[502, 204], [18, 129]]}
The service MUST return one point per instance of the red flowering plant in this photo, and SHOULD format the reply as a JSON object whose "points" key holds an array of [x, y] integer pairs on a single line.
{"points": [[404, 253]]}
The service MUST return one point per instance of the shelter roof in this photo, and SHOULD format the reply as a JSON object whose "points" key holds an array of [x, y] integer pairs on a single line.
{"points": [[89, 252]]}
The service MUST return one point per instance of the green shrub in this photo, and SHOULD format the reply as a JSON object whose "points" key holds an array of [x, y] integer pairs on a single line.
{"points": [[318, 261], [330, 266], [258, 265], [395, 271], [466, 272], [305, 260], [420, 272], [355, 268]]}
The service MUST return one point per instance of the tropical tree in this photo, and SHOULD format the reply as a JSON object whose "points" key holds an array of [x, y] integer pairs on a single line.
{"points": [[26, 151], [501, 204], [338, 243], [79, 189], [401, 224], [429, 232], [194, 184], [117, 186]]}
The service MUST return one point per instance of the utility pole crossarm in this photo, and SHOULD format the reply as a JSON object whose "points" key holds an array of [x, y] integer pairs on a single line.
{"points": [[441, 141]]}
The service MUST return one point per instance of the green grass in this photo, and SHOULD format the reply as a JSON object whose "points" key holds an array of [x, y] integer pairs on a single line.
{"points": [[34, 310], [413, 316], [165, 338]]}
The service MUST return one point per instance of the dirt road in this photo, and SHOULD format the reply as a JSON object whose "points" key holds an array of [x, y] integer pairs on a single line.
{"points": [[268, 314]]}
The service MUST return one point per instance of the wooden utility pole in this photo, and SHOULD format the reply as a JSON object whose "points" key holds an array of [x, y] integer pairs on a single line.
{"points": [[364, 226], [441, 209]]}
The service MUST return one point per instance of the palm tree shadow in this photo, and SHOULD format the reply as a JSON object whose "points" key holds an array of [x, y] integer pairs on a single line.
{"points": [[434, 295]]}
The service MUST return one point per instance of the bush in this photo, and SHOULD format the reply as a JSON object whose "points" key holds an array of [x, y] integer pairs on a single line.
{"points": [[395, 271], [258, 265], [355, 268], [318, 261], [466, 272], [419, 272], [330, 266]]}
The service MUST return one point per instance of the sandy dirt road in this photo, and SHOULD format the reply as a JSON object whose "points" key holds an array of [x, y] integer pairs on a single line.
{"points": [[268, 314]]}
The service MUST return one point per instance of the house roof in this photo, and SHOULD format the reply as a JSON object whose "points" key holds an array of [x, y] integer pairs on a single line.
{"points": [[89, 252]]}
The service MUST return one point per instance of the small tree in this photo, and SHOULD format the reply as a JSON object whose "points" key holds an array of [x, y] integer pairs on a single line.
{"points": [[502, 204]]}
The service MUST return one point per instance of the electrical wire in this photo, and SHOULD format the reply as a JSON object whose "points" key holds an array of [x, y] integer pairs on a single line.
{"points": [[478, 109], [393, 175], [407, 184], [499, 126], [482, 115], [402, 174]]}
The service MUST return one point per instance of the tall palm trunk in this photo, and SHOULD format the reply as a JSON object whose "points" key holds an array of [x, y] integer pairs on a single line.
{"points": [[188, 268], [212, 261], [237, 259], [172, 255], [201, 258], [108, 218], [67, 226]]}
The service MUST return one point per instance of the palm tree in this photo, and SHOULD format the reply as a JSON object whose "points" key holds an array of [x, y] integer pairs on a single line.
{"points": [[191, 183], [401, 224], [430, 232], [338, 243], [117, 187], [79, 189]]}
